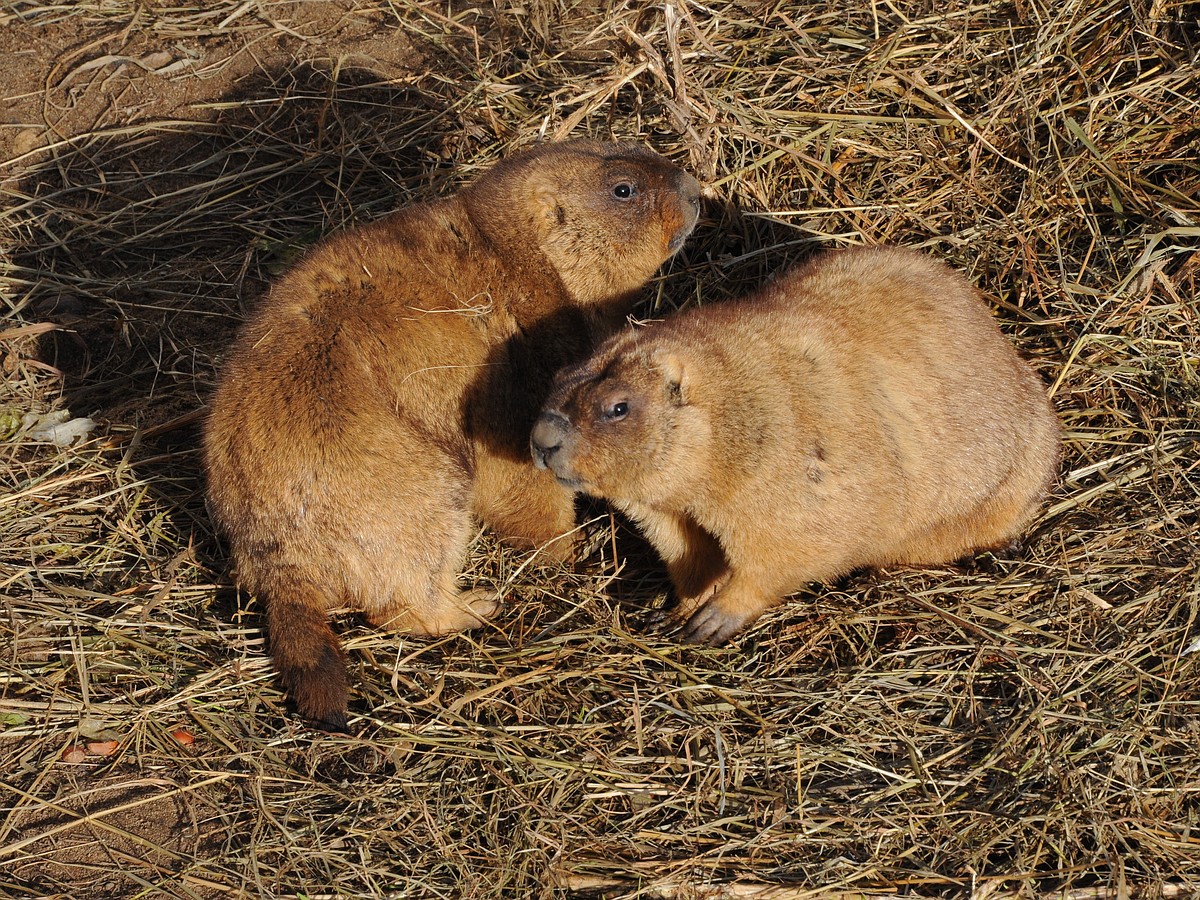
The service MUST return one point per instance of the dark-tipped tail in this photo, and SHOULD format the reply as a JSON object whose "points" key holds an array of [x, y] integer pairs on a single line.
{"points": [[308, 657]]}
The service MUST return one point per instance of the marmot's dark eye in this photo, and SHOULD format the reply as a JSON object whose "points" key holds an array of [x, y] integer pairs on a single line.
{"points": [[617, 411], [623, 190]]}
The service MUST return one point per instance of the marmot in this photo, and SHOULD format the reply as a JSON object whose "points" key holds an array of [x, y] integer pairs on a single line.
{"points": [[861, 410], [381, 397]]}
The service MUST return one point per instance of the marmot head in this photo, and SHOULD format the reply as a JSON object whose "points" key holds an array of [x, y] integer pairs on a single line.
{"points": [[624, 425], [605, 216]]}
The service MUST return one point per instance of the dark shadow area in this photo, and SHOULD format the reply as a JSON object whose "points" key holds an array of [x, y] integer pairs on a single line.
{"points": [[733, 252], [500, 407], [644, 579]]}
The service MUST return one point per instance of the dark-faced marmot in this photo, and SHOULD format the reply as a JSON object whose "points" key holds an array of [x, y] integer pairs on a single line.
{"points": [[380, 399], [860, 410]]}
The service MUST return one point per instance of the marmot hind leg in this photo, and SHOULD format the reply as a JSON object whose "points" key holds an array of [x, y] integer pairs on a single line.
{"points": [[418, 591], [446, 609]]}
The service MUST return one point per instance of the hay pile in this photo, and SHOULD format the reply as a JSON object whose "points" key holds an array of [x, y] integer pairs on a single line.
{"points": [[1027, 726]]}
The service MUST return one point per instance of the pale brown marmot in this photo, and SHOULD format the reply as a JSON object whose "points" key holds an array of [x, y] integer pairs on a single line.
{"points": [[380, 399], [860, 410]]}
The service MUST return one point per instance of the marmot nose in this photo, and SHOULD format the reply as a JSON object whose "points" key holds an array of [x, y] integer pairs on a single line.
{"points": [[547, 437]]}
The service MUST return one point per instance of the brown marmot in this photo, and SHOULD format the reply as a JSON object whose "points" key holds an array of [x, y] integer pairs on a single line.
{"points": [[860, 410], [381, 398]]}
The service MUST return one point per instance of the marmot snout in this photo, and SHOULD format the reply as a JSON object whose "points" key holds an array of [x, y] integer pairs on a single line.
{"points": [[380, 399], [861, 410]]}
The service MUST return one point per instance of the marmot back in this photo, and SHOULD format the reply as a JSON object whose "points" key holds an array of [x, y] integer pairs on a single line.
{"points": [[860, 410], [381, 398]]}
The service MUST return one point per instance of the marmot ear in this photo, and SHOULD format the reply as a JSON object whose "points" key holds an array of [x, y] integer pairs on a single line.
{"points": [[675, 374], [544, 201]]}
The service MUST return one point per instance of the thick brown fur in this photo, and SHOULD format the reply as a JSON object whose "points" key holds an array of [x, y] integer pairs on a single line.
{"points": [[860, 410], [380, 400]]}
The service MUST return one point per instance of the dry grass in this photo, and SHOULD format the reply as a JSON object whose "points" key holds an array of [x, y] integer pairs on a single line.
{"points": [[1026, 727]]}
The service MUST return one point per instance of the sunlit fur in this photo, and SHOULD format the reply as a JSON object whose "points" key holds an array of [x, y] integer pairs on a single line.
{"points": [[860, 410]]}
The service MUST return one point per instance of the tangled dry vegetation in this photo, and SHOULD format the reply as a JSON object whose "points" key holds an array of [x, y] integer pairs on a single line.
{"points": [[1025, 726]]}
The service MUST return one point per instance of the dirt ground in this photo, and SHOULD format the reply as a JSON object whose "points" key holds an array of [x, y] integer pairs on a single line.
{"points": [[66, 75], [1027, 725]]}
